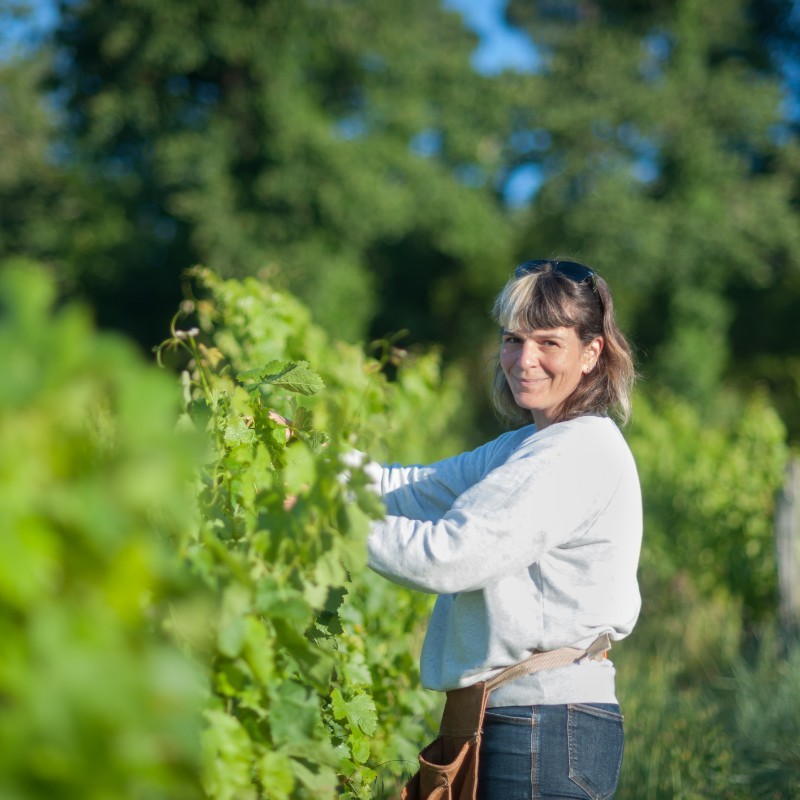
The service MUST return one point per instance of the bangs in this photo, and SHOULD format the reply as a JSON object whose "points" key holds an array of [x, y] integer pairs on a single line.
{"points": [[538, 301]]}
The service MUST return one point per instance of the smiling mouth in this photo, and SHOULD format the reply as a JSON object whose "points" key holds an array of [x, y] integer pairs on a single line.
{"points": [[530, 381]]}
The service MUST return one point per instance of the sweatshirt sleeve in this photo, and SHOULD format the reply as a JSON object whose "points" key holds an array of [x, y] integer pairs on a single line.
{"points": [[428, 492], [536, 500]]}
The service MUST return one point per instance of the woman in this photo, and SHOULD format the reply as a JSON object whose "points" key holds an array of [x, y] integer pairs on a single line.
{"points": [[531, 541]]}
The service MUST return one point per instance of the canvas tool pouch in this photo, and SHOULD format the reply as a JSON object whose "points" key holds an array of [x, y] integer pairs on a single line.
{"points": [[448, 767]]}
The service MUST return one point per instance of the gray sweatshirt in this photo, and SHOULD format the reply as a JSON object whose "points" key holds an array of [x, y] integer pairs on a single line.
{"points": [[531, 542]]}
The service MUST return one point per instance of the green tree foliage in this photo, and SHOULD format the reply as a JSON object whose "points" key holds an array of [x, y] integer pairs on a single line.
{"points": [[699, 727], [25, 132], [96, 700], [709, 493], [348, 142], [52, 207], [660, 132], [350, 151]]}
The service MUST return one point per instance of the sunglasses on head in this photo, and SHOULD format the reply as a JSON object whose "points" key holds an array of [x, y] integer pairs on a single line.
{"points": [[569, 269]]}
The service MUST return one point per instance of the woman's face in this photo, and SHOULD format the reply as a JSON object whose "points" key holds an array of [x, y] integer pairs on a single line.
{"points": [[544, 366]]}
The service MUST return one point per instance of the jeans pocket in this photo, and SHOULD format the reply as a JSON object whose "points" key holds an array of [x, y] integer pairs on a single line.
{"points": [[506, 752], [513, 715], [596, 739]]}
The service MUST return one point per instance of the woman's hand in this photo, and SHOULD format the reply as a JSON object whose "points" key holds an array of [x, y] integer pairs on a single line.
{"points": [[280, 420]]}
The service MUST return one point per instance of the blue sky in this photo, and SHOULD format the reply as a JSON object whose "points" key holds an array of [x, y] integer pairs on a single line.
{"points": [[502, 47], [23, 23]]}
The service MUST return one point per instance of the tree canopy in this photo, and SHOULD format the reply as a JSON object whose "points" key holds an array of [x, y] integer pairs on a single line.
{"points": [[669, 163], [335, 140], [348, 151]]}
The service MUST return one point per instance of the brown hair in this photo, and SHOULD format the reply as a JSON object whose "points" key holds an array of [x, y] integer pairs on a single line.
{"points": [[549, 299]]}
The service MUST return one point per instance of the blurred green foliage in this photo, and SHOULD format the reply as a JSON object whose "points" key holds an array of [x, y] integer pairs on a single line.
{"points": [[686, 681], [701, 720], [710, 491], [767, 722], [347, 152], [125, 614], [134, 617], [96, 699]]}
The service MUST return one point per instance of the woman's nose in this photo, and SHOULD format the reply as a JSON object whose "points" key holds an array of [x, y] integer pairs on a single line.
{"points": [[527, 354]]}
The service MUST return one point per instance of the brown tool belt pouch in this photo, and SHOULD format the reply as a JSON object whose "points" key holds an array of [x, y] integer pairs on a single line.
{"points": [[448, 767]]}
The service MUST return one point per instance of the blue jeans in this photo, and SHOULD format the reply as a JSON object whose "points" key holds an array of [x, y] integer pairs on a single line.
{"points": [[550, 752]]}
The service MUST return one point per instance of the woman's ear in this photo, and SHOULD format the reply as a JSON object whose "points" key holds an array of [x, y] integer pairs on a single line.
{"points": [[591, 353]]}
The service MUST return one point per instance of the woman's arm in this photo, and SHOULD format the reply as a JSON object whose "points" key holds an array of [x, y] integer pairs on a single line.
{"points": [[427, 492], [544, 498]]}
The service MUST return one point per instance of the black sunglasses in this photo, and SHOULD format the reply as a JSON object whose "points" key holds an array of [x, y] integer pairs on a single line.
{"points": [[569, 269]]}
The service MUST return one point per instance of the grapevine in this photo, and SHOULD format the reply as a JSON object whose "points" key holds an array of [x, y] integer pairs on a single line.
{"points": [[280, 543]]}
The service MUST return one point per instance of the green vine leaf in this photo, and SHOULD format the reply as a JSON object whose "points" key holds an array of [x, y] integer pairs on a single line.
{"points": [[276, 775], [229, 757], [293, 376], [359, 711], [293, 714]]}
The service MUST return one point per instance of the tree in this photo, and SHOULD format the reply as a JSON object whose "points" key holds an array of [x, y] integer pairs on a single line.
{"points": [[52, 208], [349, 151], [349, 141], [669, 165]]}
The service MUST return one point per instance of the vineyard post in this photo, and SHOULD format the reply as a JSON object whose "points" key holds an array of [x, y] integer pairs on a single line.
{"points": [[787, 542]]}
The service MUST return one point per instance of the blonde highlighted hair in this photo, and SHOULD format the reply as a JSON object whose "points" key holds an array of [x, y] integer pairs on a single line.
{"points": [[549, 299]]}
